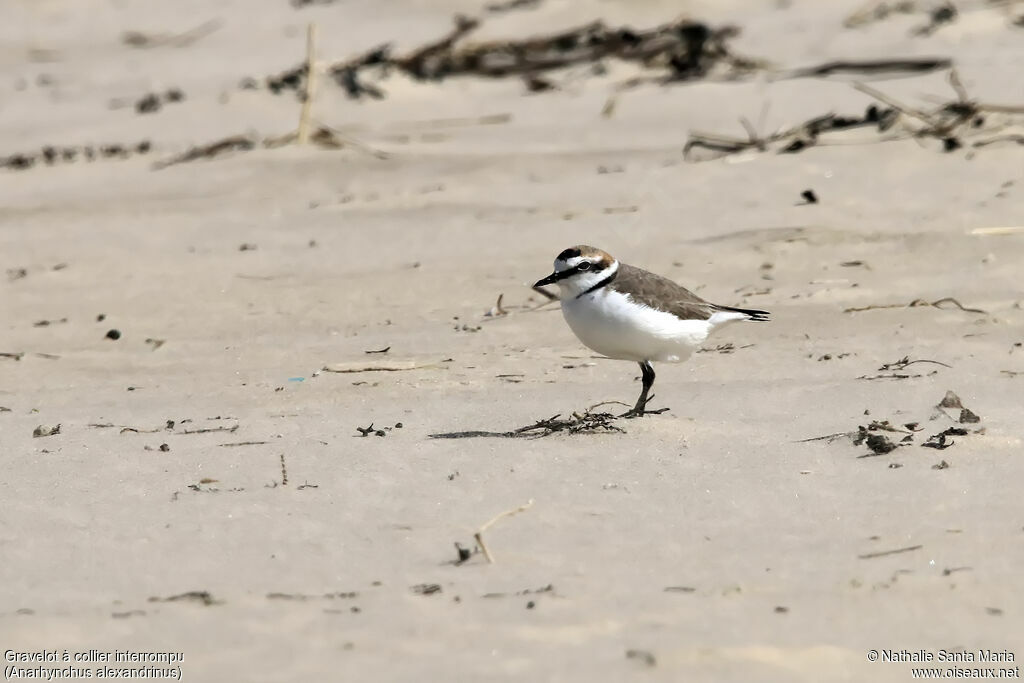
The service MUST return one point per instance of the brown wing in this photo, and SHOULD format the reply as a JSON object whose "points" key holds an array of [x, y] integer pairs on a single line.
{"points": [[661, 293]]}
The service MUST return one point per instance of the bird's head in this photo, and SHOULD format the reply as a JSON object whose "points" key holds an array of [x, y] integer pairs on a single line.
{"points": [[579, 268]]}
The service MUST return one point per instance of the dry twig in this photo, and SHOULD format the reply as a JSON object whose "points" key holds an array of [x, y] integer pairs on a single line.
{"points": [[872, 67], [1007, 230], [905, 361], [793, 139], [884, 553], [307, 100], [381, 366], [916, 303], [479, 535], [184, 39]]}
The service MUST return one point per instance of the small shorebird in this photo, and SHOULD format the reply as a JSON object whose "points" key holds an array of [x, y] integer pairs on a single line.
{"points": [[628, 313]]}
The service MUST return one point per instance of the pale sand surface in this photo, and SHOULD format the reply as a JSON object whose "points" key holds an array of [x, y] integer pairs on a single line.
{"points": [[715, 495]]}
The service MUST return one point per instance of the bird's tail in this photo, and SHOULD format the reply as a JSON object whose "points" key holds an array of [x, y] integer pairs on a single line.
{"points": [[752, 314]]}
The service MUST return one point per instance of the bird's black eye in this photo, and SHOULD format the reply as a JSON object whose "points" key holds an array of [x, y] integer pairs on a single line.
{"points": [[583, 265]]}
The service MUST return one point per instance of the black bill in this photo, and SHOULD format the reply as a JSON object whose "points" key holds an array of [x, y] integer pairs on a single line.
{"points": [[553, 278]]}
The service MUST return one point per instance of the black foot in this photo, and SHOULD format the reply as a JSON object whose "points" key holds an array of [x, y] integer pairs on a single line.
{"points": [[640, 413], [640, 409]]}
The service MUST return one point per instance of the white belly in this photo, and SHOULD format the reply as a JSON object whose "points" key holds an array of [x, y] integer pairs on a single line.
{"points": [[611, 324]]}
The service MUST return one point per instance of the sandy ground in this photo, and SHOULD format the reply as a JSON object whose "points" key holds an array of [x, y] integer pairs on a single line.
{"points": [[706, 543]]}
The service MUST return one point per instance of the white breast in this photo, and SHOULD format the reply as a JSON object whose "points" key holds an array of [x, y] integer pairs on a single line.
{"points": [[612, 324]]}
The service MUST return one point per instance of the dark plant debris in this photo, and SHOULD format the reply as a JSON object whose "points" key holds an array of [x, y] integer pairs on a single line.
{"points": [[878, 443], [902, 364], [897, 375], [322, 136], [426, 588], [951, 123], [727, 347], [905, 362], [706, 146], [549, 588], [677, 50], [202, 597], [139, 39], [872, 67], [207, 430], [938, 14], [371, 430], [886, 553], [880, 10], [939, 441], [463, 554], [509, 5], [586, 423], [128, 614], [47, 323], [871, 435], [50, 155], [952, 570], [642, 656], [151, 103], [954, 120], [233, 143], [342, 595]]}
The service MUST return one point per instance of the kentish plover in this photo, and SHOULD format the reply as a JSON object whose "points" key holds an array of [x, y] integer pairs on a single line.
{"points": [[628, 313]]}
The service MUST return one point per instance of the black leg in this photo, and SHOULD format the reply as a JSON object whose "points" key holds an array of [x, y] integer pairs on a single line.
{"points": [[647, 372], [648, 381]]}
